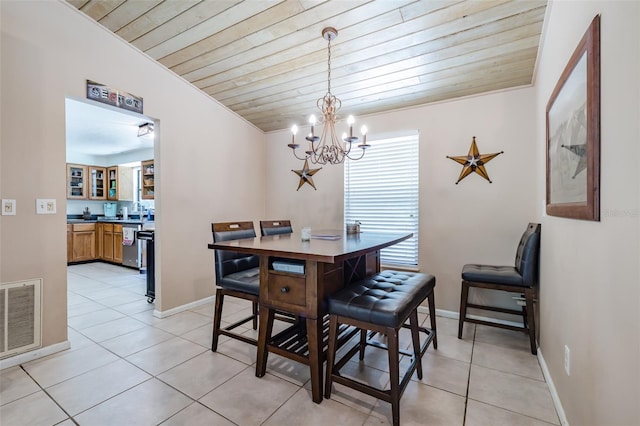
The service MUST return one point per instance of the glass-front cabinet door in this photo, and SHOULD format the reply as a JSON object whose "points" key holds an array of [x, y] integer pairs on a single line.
{"points": [[98, 176], [76, 182]]}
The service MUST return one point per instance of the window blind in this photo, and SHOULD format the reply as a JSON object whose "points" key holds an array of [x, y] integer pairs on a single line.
{"points": [[381, 191]]}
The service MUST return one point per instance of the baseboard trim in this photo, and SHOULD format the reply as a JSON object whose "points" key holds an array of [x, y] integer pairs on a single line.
{"points": [[182, 308], [554, 393], [456, 315], [33, 355]]}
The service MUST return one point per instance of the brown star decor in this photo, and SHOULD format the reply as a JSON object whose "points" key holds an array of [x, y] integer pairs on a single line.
{"points": [[305, 175], [474, 162]]}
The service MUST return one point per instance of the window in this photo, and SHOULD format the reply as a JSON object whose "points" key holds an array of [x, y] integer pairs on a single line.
{"points": [[381, 191]]}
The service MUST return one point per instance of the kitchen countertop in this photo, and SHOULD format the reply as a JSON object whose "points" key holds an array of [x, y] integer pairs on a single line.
{"points": [[120, 221]]}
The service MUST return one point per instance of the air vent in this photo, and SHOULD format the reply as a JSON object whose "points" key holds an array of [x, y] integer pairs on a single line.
{"points": [[20, 314]]}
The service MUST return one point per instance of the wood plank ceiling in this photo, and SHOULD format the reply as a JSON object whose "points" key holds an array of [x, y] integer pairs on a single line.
{"points": [[267, 61]]}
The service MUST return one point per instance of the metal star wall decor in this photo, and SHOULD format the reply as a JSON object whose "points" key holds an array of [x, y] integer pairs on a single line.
{"points": [[474, 162], [305, 175]]}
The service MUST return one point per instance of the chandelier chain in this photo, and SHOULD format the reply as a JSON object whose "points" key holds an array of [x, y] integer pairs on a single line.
{"points": [[329, 67]]}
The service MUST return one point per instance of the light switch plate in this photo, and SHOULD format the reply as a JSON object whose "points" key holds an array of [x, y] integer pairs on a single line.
{"points": [[8, 207], [45, 206]]}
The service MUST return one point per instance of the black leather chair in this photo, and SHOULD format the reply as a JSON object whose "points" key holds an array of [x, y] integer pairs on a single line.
{"points": [[275, 227], [237, 275], [521, 278]]}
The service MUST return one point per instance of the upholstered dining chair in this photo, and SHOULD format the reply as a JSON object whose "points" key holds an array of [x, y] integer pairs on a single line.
{"points": [[274, 227], [237, 275], [520, 278]]}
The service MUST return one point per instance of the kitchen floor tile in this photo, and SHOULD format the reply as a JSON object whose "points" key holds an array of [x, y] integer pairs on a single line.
{"points": [[260, 397], [136, 341], [423, 405], [67, 364], [94, 318], [201, 374], [502, 337], [111, 329], [197, 414], [15, 384], [515, 361], [139, 305], [148, 403], [165, 355], [452, 347], [93, 387], [36, 409], [301, 410], [449, 326], [444, 373], [182, 322], [479, 414], [514, 393]]}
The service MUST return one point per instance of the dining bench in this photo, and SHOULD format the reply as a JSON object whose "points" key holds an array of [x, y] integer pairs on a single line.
{"points": [[382, 304]]}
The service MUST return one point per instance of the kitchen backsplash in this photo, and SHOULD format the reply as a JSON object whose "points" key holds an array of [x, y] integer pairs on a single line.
{"points": [[97, 207]]}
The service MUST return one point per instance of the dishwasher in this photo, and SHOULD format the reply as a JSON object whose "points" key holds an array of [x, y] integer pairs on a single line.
{"points": [[131, 252]]}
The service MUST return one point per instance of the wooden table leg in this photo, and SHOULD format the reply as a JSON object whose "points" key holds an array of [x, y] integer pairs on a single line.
{"points": [[266, 317], [314, 338]]}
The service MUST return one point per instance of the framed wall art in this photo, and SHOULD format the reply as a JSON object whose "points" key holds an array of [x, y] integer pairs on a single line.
{"points": [[573, 134]]}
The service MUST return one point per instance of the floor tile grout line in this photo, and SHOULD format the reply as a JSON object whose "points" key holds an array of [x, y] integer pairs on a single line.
{"points": [[48, 395], [466, 398], [514, 412]]}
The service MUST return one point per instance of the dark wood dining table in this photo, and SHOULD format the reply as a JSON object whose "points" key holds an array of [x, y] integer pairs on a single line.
{"points": [[304, 275]]}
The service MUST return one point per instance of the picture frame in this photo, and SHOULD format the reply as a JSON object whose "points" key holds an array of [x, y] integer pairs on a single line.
{"points": [[573, 134]]}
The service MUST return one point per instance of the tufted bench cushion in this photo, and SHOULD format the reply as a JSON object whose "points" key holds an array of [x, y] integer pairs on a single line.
{"points": [[247, 281], [386, 298], [507, 275]]}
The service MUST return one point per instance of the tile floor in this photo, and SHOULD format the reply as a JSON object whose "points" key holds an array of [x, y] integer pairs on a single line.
{"points": [[126, 367]]}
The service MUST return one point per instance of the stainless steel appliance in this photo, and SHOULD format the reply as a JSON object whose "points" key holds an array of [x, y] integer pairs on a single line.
{"points": [[131, 254], [147, 235]]}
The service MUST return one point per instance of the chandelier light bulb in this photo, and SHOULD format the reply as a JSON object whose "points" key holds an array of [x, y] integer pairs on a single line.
{"points": [[364, 130], [294, 129], [344, 137], [351, 120], [312, 119]]}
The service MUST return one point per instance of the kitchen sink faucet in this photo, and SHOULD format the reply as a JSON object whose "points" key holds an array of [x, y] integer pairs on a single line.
{"points": [[140, 207]]}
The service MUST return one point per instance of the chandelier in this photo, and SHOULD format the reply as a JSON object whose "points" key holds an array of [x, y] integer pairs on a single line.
{"points": [[328, 148]]}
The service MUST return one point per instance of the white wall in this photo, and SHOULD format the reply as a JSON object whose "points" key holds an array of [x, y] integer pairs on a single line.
{"points": [[590, 298], [474, 221], [209, 162]]}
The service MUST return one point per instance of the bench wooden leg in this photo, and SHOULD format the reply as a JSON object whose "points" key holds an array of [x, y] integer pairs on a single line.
{"points": [[415, 337], [217, 318], [363, 342], [331, 354], [463, 307], [432, 316], [255, 315], [394, 373]]}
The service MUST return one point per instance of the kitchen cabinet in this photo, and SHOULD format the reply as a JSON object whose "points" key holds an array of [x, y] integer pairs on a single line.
{"points": [[120, 183], [111, 242], [76, 182], [117, 243], [83, 242], [98, 184], [148, 180]]}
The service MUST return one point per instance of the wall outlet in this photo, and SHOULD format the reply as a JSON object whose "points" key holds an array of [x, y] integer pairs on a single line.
{"points": [[45, 206], [567, 360]]}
